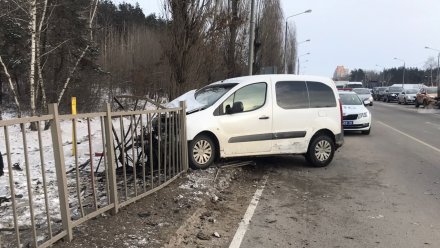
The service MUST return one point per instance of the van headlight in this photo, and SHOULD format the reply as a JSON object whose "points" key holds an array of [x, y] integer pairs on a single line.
{"points": [[361, 115]]}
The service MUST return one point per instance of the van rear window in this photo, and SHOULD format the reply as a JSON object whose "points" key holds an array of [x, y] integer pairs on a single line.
{"points": [[299, 94], [292, 94], [320, 95]]}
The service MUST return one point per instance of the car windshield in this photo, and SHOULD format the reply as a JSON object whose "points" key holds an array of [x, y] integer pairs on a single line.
{"points": [[395, 89], [431, 90], [362, 91], [350, 99], [210, 94], [411, 91]]}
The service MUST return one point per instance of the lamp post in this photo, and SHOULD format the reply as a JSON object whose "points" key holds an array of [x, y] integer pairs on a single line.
{"points": [[297, 72], [285, 37], [403, 78], [305, 61], [438, 68], [304, 41], [383, 73]]}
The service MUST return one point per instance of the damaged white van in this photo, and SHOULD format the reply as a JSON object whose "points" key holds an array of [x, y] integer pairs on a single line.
{"points": [[264, 115]]}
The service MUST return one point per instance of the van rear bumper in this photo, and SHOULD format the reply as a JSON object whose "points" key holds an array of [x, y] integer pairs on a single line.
{"points": [[339, 139]]}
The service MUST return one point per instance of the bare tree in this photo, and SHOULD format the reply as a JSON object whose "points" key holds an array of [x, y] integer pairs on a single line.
{"points": [[186, 34], [11, 86], [269, 35]]}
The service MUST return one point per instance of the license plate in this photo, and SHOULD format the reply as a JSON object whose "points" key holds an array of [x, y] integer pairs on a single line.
{"points": [[347, 123]]}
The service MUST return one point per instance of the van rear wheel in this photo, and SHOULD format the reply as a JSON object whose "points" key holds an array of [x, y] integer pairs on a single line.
{"points": [[202, 152], [321, 151]]}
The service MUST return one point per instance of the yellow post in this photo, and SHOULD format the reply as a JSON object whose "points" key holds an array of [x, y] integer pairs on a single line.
{"points": [[73, 126]]}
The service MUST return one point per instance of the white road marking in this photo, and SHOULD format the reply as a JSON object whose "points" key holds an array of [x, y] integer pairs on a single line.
{"points": [[433, 124], [244, 224], [411, 137]]}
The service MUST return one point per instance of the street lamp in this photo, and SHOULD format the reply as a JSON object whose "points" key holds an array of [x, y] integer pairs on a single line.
{"points": [[297, 72], [403, 80], [383, 73], [285, 37], [438, 67], [304, 41]]}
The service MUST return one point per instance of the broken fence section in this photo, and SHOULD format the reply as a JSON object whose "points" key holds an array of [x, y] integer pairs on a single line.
{"points": [[85, 165]]}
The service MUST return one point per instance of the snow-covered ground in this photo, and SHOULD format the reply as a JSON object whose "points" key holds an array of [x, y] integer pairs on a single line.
{"points": [[17, 153], [35, 170]]}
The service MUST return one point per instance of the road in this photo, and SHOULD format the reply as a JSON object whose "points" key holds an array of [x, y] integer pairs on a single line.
{"points": [[381, 190]]}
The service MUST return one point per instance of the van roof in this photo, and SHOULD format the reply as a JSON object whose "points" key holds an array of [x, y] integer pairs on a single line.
{"points": [[276, 77]]}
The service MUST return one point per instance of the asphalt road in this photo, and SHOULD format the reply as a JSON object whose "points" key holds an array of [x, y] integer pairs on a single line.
{"points": [[381, 190]]}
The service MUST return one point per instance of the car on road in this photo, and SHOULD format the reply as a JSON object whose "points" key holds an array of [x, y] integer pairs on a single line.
{"points": [[356, 117], [264, 115], [407, 96], [378, 93], [391, 94], [364, 94], [425, 96]]}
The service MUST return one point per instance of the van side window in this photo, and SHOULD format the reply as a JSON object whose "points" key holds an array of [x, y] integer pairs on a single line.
{"points": [[320, 95], [292, 94], [248, 98]]}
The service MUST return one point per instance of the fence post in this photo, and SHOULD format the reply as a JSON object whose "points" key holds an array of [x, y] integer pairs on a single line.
{"points": [[60, 170], [184, 137], [110, 159]]}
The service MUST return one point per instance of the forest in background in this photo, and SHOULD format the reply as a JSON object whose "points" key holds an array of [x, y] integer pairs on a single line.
{"points": [[51, 50]]}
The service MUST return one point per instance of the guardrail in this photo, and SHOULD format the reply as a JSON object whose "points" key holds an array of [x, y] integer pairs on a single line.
{"points": [[57, 189]]}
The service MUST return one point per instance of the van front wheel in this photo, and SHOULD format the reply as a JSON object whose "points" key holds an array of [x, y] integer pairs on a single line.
{"points": [[202, 151], [321, 151]]}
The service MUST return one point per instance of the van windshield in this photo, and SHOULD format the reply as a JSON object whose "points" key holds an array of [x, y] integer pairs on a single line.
{"points": [[210, 94]]}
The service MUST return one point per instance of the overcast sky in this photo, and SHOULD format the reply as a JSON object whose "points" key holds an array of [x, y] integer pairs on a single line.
{"points": [[358, 33]]}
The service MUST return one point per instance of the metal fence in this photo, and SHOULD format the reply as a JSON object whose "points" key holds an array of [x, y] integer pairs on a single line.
{"points": [[85, 165]]}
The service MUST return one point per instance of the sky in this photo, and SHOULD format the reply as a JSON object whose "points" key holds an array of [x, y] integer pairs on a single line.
{"points": [[358, 34]]}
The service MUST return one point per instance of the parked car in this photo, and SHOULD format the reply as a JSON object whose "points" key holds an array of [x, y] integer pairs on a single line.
{"points": [[407, 96], [425, 96], [356, 116], [364, 94], [391, 94], [264, 115], [378, 93]]}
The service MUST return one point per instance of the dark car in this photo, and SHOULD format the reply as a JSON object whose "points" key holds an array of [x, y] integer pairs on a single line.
{"points": [[378, 93], [392, 93]]}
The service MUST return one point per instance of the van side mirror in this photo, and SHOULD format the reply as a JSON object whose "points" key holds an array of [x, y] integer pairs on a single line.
{"points": [[237, 107], [367, 102]]}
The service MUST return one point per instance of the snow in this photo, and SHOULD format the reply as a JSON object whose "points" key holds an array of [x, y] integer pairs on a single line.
{"points": [[35, 168]]}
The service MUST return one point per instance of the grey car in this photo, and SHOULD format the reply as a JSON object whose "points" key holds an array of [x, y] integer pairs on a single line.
{"points": [[407, 96], [364, 94]]}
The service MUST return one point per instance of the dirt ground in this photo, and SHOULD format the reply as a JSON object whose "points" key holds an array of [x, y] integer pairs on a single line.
{"points": [[201, 209]]}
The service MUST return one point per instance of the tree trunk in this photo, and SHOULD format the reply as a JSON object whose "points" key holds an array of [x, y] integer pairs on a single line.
{"points": [[11, 86], [233, 26], [33, 28]]}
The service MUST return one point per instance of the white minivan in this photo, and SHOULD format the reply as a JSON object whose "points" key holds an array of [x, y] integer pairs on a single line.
{"points": [[264, 115]]}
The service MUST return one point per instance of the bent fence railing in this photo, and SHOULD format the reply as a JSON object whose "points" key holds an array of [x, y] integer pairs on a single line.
{"points": [[85, 165]]}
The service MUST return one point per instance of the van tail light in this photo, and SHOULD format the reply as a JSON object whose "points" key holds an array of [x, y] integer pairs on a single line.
{"points": [[340, 110]]}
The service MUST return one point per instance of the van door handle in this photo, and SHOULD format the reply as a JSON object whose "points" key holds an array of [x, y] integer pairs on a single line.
{"points": [[264, 117]]}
